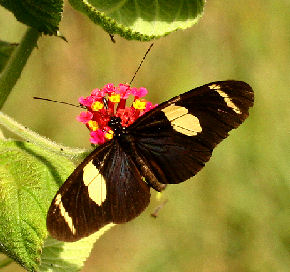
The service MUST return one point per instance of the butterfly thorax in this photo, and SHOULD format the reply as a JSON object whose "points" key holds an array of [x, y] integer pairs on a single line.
{"points": [[127, 143], [115, 124]]}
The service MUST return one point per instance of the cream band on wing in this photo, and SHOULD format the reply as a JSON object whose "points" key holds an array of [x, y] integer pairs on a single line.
{"points": [[229, 102], [182, 121], [64, 214], [95, 182]]}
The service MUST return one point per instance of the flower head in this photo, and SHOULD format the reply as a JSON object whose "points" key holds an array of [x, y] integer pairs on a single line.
{"points": [[110, 101]]}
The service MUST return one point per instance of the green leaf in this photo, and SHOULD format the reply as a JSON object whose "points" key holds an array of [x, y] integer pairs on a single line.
{"points": [[42, 15], [59, 256], [6, 50], [141, 19], [29, 179]]}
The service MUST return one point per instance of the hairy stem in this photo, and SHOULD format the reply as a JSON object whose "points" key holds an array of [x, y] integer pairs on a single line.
{"points": [[31, 136], [16, 63]]}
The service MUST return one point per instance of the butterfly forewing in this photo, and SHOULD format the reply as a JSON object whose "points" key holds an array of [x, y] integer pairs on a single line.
{"points": [[106, 187], [177, 137]]}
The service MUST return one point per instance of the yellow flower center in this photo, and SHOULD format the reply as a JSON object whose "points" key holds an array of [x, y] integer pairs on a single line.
{"points": [[109, 135], [139, 104], [93, 125], [115, 98], [97, 105]]}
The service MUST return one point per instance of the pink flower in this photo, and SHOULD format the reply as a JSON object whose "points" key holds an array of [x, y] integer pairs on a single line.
{"points": [[98, 93], [85, 116], [124, 90], [150, 106], [97, 137], [109, 88], [87, 102], [110, 101], [141, 92]]}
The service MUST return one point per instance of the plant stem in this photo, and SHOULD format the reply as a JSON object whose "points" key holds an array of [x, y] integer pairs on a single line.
{"points": [[31, 136], [16, 63]]}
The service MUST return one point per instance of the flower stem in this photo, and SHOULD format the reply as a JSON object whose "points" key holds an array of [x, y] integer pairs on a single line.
{"points": [[31, 136], [16, 63]]}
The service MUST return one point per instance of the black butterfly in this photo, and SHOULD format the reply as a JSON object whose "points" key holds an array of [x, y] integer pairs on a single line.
{"points": [[167, 145]]}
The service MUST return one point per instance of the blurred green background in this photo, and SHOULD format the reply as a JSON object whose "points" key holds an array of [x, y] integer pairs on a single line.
{"points": [[234, 215]]}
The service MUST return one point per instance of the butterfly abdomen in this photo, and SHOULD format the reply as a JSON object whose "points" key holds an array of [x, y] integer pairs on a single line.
{"points": [[127, 143]]}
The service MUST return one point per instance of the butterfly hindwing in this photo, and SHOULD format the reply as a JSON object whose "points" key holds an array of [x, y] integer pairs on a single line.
{"points": [[178, 136], [106, 187], [128, 194]]}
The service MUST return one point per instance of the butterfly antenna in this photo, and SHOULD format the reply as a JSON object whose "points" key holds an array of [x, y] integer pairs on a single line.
{"points": [[141, 63], [61, 102]]}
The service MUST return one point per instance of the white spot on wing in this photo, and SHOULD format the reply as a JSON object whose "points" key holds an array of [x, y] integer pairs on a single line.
{"points": [[182, 121], [64, 213], [95, 182], [228, 101]]}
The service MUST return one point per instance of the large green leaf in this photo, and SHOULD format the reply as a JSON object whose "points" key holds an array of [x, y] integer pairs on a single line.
{"points": [[141, 19], [42, 14], [6, 50], [29, 178]]}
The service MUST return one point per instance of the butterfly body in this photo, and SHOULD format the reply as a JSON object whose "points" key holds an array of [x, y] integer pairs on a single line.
{"points": [[116, 126], [167, 145], [124, 138]]}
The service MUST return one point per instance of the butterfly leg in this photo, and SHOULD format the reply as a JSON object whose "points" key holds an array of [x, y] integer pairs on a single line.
{"points": [[144, 167]]}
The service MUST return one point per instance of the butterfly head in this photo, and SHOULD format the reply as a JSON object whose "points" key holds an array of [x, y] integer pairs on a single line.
{"points": [[107, 114]]}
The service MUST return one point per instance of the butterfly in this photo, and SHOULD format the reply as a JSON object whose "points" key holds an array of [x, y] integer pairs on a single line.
{"points": [[166, 145]]}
